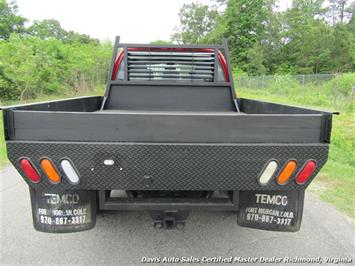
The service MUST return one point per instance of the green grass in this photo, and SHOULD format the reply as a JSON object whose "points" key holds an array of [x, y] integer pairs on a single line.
{"points": [[336, 181]]}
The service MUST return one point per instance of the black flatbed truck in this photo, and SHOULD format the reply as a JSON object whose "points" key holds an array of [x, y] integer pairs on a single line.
{"points": [[169, 136]]}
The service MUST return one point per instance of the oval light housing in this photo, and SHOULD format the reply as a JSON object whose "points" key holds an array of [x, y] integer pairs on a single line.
{"points": [[286, 173], [306, 172], [268, 173], [70, 171], [50, 170], [29, 170]]}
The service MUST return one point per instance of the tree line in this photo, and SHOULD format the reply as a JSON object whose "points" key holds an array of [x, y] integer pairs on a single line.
{"points": [[44, 59], [311, 36]]}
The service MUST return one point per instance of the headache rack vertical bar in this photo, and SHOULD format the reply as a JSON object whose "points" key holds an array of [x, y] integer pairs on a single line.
{"points": [[125, 60], [215, 72], [109, 79], [149, 63], [230, 73], [193, 64]]}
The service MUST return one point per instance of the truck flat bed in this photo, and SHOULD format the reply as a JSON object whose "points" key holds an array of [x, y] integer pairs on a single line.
{"points": [[168, 133], [257, 122]]}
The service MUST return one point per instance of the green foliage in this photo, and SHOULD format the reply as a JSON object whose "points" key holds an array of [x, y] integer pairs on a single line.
{"points": [[196, 21], [243, 27], [342, 49], [255, 60], [309, 37], [30, 67], [284, 85], [337, 93], [272, 42], [161, 42], [351, 24], [9, 20], [45, 59], [50, 28], [239, 72], [343, 89]]}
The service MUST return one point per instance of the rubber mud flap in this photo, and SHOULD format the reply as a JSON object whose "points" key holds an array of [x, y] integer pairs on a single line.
{"points": [[63, 212], [271, 210]]}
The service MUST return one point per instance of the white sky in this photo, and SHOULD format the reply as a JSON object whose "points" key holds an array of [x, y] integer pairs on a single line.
{"points": [[136, 21]]}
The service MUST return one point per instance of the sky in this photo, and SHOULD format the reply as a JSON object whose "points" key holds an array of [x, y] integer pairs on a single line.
{"points": [[136, 21]]}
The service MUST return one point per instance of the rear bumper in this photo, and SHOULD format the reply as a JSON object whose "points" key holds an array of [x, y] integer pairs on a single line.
{"points": [[167, 166], [228, 201]]}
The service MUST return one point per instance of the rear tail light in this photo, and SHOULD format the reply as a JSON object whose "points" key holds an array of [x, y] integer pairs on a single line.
{"points": [[306, 172], [268, 173], [70, 171], [50, 171], [29, 170], [286, 173]]}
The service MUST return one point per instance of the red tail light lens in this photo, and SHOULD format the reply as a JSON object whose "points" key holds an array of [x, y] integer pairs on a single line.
{"points": [[30, 171], [306, 172]]}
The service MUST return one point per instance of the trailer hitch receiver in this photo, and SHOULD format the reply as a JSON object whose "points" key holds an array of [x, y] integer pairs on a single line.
{"points": [[169, 219]]}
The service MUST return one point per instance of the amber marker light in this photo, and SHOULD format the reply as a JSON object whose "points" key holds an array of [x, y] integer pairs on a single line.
{"points": [[50, 171], [286, 173]]}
